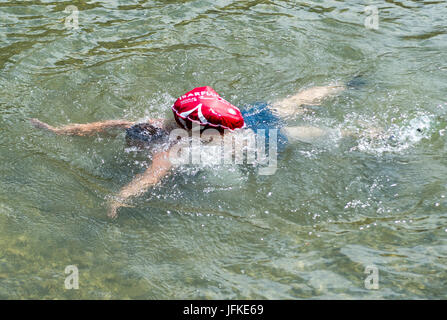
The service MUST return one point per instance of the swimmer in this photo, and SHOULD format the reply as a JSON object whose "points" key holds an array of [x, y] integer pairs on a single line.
{"points": [[200, 105]]}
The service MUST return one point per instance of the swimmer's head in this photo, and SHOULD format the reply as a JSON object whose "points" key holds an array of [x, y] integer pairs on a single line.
{"points": [[143, 133]]}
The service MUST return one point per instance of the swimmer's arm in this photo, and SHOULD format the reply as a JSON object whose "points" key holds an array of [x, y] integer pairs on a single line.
{"points": [[83, 129], [312, 96], [160, 167]]}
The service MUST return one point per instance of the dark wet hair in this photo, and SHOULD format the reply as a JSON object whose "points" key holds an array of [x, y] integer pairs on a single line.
{"points": [[144, 132]]}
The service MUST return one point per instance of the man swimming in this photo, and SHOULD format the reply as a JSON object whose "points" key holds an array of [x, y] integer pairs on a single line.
{"points": [[205, 107]]}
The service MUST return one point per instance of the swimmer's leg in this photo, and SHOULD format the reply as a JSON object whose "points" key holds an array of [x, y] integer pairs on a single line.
{"points": [[304, 133], [83, 129], [310, 134], [312, 96]]}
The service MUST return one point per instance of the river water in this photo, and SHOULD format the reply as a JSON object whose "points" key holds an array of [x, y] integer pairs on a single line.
{"points": [[332, 209]]}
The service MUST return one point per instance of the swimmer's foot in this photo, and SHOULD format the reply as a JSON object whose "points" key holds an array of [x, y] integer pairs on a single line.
{"points": [[369, 131], [357, 82], [42, 125], [375, 133]]}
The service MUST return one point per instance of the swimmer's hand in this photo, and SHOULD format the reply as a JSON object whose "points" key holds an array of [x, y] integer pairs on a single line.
{"points": [[42, 125], [112, 213]]}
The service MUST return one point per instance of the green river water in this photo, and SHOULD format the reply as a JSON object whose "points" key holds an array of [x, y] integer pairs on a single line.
{"points": [[332, 209]]}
